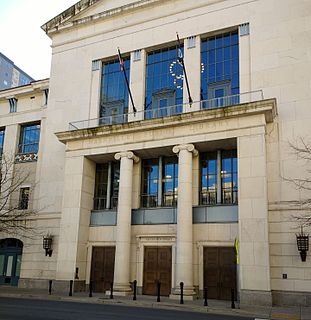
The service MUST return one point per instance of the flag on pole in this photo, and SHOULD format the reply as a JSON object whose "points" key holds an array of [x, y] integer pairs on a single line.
{"points": [[182, 63], [126, 80]]}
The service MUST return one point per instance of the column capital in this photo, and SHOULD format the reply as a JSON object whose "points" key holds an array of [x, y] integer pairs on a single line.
{"points": [[189, 147], [128, 154]]}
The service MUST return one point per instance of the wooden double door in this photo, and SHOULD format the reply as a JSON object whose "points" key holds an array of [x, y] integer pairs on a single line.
{"points": [[157, 267], [219, 272], [102, 269]]}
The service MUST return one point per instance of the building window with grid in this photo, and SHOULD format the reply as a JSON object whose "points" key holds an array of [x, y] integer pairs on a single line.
{"points": [[29, 138], [1, 141], [229, 177], [159, 182], [164, 83], [220, 70], [23, 198], [219, 177], [208, 194], [114, 93], [106, 186]]}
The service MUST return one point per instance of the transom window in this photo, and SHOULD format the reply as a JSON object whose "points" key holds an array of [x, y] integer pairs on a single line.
{"points": [[164, 83], [220, 69], [29, 138], [114, 92]]}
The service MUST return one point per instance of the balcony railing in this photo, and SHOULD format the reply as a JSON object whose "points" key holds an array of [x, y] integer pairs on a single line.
{"points": [[169, 111]]}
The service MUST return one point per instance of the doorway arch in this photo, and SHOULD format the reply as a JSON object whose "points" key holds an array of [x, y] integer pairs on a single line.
{"points": [[11, 250]]}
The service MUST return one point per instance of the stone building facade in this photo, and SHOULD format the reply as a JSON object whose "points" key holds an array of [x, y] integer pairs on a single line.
{"points": [[183, 180]]}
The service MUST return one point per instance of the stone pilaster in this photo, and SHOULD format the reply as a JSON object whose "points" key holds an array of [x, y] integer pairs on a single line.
{"points": [[123, 237], [184, 242], [253, 221]]}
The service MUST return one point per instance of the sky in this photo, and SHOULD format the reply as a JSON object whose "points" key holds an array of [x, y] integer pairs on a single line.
{"points": [[21, 38]]}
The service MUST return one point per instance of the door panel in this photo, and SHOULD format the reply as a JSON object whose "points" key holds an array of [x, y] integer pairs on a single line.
{"points": [[157, 267], [219, 272], [102, 270]]}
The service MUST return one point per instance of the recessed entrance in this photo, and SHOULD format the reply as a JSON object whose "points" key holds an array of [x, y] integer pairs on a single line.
{"points": [[219, 272], [10, 261], [157, 267], [102, 269]]}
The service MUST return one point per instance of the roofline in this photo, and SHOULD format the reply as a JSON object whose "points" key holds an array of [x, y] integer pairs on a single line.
{"points": [[24, 89], [67, 14]]}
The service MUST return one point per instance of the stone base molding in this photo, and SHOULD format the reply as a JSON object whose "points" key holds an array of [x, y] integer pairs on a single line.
{"points": [[254, 297], [291, 298], [61, 286]]}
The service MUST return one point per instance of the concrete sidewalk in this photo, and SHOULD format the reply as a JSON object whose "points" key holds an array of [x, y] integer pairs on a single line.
{"points": [[214, 307]]}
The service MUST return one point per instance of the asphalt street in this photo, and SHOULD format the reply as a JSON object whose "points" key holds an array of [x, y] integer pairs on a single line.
{"points": [[32, 309]]}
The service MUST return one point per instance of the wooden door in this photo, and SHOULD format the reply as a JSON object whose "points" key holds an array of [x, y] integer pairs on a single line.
{"points": [[102, 270], [219, 272], [157, 267]]}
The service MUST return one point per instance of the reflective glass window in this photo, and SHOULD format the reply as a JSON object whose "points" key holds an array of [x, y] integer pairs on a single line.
{"points": [[150, 183], [164, 83], [29, 139], [220, 65], [102, 184], [114, 96], [1, 141], [170, 181], [229, 177], [208, 178]]}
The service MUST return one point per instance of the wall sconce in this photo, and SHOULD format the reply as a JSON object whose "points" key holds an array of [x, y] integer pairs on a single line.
{"points": [[302, 244], [47, 245]]}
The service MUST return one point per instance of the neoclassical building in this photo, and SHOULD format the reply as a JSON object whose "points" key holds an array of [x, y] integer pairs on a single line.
{"points": [[171, 162]]}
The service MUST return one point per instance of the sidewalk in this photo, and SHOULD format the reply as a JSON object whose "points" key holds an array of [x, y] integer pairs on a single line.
{"points": [[214, 307]]}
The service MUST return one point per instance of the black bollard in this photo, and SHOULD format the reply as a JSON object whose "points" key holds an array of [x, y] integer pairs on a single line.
{"points": [[181, 293], [158, 290], [205, 297], [91, 289], [50, 287], [111, 290], [134, 289], [232, 299], [70, 288]]}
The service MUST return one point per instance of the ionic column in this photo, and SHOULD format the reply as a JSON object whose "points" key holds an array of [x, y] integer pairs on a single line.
{"points": [[184, 259], [123, 240]]}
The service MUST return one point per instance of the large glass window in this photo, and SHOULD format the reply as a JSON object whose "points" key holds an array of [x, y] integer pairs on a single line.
{"points": [[219, 177], [159, 182], [150, 183], [208, 178], [106, 186], [164, 83], [170, 181], [229, 177], [114, 92], [29, 138], [220, 70]]}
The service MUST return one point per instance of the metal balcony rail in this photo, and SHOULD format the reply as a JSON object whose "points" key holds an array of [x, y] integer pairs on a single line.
{"points": [[169, 111]]}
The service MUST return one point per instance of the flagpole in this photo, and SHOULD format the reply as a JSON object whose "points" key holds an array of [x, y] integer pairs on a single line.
{"points": [[126, 80], [181, 59]]}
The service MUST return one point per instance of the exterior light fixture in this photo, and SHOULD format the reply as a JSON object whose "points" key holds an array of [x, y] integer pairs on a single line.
{"points": [[302, 244], [47, 244]]}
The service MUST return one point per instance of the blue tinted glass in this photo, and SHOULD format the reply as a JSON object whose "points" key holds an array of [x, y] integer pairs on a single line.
{"points": [[219, 55], [226, 39], [211, 57], [219, 41], [234, 38]]}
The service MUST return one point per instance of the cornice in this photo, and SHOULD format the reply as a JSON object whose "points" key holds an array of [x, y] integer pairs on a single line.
{"points": [[263, 107]]}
